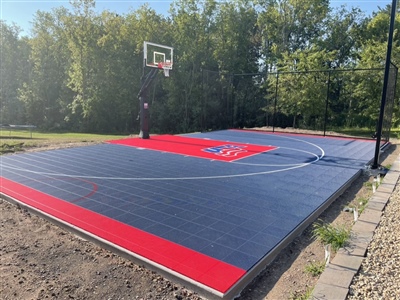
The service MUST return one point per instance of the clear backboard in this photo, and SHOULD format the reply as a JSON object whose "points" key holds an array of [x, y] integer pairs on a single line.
{"points": [[158, 56]]}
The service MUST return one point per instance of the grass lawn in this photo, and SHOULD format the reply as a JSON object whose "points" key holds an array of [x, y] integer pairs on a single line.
{"points": [[365, 132], [17, 140]]}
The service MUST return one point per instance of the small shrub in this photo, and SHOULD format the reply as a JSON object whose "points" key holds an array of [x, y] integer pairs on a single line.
{"points": [[301, 295], [362, 202], [315, 268], [368, 184], [11, 148], [336, 236]]}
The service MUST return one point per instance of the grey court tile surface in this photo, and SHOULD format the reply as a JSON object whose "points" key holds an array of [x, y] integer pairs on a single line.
{"points": [[234, 212]]}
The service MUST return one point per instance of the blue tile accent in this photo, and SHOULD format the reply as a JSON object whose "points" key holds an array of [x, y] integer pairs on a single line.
{"points": [[256, 249], [223, 226], [242, 233], [190, 227], [268, 240], [242, 260], [195, 242], [210, 234], [174, 235], [174, 222], [204, 220], [231, 241], [217, 251], [140, 223]]}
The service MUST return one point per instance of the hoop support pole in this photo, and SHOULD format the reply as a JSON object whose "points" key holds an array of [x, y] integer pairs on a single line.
{"points": [[375, 164]]}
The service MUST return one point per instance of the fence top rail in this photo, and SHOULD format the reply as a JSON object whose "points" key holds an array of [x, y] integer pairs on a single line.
{"points": [[17, 126], [294, 72]]}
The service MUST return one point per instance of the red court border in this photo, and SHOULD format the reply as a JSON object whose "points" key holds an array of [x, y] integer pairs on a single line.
{"points": [[206, 270]]}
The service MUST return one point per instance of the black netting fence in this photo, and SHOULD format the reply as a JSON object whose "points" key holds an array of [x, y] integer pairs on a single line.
{"points": [[345, 102], [389, 103], [233, 100], [216, 112]]}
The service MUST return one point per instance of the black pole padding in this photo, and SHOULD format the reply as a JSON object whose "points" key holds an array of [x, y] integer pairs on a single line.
{"points": [[144, 105], [375, 164], [146, 81]]}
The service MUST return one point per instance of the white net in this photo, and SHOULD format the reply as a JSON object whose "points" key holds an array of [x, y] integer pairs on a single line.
{"points": [[166, 66], [166, 72]]}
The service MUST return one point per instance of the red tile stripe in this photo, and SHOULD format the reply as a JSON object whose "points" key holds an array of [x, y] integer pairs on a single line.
{"points": [[192, 146], [211, 272]]}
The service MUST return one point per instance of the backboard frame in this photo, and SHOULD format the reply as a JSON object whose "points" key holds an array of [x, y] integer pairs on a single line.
{"points": [[166, 58]]}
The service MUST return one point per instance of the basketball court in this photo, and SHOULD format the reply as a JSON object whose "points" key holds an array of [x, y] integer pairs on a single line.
{"points": [[209, 209]]}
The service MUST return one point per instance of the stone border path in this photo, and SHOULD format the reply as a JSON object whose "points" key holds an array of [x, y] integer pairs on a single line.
{"points": [[335, 281]]}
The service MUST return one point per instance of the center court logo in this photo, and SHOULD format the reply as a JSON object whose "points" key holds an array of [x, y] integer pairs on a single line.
{"points": [[226, 150]]}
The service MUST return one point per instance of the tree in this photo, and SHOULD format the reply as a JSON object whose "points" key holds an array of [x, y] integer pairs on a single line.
{"points": [[81, 34], [343, 34], [237, 44], [143, 25], [14, 70], [289, 26], [373, 55], [192, 36], [45, 94], [303, 83], [82, 70]]}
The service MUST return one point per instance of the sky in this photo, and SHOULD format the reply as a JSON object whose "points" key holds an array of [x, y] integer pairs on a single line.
{"points": [[22, 12]]}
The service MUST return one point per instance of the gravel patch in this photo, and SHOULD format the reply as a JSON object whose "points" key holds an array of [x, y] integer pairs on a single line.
{"points": [[379, 275]]}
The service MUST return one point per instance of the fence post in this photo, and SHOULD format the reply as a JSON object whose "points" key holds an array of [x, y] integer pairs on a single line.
{"points": [[232, 99], [327, 101], [375, 164], [205, 83], [275, 102]]}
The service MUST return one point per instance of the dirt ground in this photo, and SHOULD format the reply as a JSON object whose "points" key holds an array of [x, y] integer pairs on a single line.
{"points": [[39, 260]]}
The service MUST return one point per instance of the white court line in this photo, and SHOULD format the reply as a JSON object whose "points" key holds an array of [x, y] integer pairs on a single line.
{"points": [[281, 165]]}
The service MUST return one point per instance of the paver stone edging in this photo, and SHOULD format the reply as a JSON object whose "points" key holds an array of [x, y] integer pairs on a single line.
{"points": [[336, 279]]}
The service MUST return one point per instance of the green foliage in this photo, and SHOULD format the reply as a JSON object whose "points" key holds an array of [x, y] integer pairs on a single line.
{"points": [[288, 26], [14, 70], [80, 70], [10, 147], [343, 36], [336, 236], [21, 139], [315, 268], [298, 295], [304, 94], [362, 204], [45, 94], [368, 184], [354, 131]]}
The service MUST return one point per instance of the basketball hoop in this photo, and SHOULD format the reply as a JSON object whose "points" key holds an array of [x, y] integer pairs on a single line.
{"points": [[166, 66], [155, 56]]}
